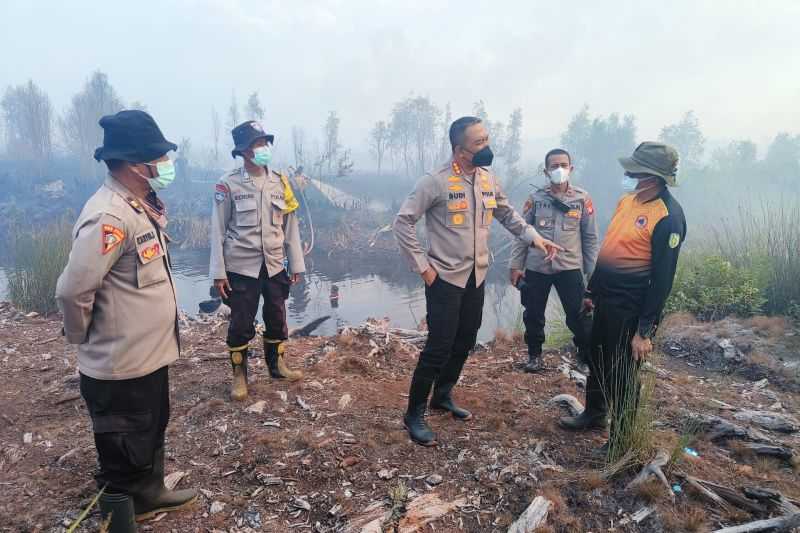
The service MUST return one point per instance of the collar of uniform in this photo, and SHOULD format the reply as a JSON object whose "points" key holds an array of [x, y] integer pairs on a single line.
{"points": [[113, 184], [455, 169], [569, 192], [664, 195]]}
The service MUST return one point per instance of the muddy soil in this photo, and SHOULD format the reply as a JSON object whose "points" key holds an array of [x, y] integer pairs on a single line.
{"points": [[318, 455]]}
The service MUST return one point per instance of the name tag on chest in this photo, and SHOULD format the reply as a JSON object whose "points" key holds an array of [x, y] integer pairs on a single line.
{"points": [[489, 200], [148, 247]]}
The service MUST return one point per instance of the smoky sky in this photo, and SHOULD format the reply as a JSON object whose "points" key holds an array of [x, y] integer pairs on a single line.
{"points": [[734, 63]]}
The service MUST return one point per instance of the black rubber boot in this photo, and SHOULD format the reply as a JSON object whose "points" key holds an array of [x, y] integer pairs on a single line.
{"points": [[443, 400], [443, 388], [582, 360], [583, 422], [117, 511], [152, 497], [534, 364], [414, 419], [273, 354]]}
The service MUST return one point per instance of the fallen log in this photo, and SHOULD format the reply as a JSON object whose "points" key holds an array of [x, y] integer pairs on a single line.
{"points": [[779, 452], [533, 517], [772, 499], [654, 469], [568, 401], [733, 497], [718, 428], [707, 493], [781, 523], [769, 420]]}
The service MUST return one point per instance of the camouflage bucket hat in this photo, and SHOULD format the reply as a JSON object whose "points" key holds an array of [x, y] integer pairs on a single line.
{"points": [[654, 158]]}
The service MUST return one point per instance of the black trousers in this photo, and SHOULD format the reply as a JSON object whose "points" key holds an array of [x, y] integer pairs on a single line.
{"points": [[570, 288], [243, 300], [454, 318], [129, 418], [613, 383]]}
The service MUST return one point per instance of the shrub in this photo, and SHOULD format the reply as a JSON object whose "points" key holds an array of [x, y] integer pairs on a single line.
{"points": [[766, 240], [39, 256], [711, 287]]}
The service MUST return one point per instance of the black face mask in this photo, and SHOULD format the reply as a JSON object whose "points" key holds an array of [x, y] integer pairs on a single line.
{"points": [[483, 157]]}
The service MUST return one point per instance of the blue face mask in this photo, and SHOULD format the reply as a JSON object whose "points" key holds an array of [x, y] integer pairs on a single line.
{"points": [[629, 184], [262, 156]]}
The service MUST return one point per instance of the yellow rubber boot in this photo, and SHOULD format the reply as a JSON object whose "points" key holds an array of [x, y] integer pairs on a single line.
{"points": [[273, 353], [239, 364]]}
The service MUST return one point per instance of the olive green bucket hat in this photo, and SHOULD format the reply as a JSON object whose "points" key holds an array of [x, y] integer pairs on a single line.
{"points": [[654, 158]]}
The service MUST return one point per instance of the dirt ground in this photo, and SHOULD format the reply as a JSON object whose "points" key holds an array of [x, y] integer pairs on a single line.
{"points": [[329, 453]]}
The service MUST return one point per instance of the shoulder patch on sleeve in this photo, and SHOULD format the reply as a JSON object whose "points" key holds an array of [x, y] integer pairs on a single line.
{"points": [[674, 240], [589, 206], [112, 237], [221, 192], [527, 207]]}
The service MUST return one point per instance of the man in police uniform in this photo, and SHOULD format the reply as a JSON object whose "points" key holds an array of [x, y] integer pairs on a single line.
{"points": [[254, 234], [117, 298], [565, 214], [459, 202], [630, 285]]}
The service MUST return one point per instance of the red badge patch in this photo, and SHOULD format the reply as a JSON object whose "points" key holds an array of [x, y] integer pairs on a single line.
{"points": [[589, 207], [112, 237], [527, 207], [151, 252]]}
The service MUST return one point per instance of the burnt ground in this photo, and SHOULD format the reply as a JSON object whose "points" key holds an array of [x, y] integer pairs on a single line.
{"points": [[324, 450]]}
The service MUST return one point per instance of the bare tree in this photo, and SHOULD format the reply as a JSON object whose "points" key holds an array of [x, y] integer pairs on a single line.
{"points": [[182, 160], [331, 136], [344, 164], [512, 152], [687, 138], [28, 119], [253, 109], [79, 126], [216, 127], [379, 141], [413, 133], [445, 150], [298, 141], [233, 112]]}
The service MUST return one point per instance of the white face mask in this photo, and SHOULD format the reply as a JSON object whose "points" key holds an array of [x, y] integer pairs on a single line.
{"points": [[558, 176], [629, 184]]}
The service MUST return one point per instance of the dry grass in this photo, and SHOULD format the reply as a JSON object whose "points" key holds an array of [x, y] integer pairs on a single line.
{"points": [[768, 326], [346, 339], [560, 516], [761, 359], [503, 339], [684, 518], [675, 321], [767, 466], [592, 480], [354, 365], [650, 491]]}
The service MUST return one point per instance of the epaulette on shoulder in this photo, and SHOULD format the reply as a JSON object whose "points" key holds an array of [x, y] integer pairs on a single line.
{"points": [[135, 204]]}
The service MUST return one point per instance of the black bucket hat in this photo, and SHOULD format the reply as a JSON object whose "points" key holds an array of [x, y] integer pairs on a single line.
{"points": [[132, 135], [246, 133]]}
